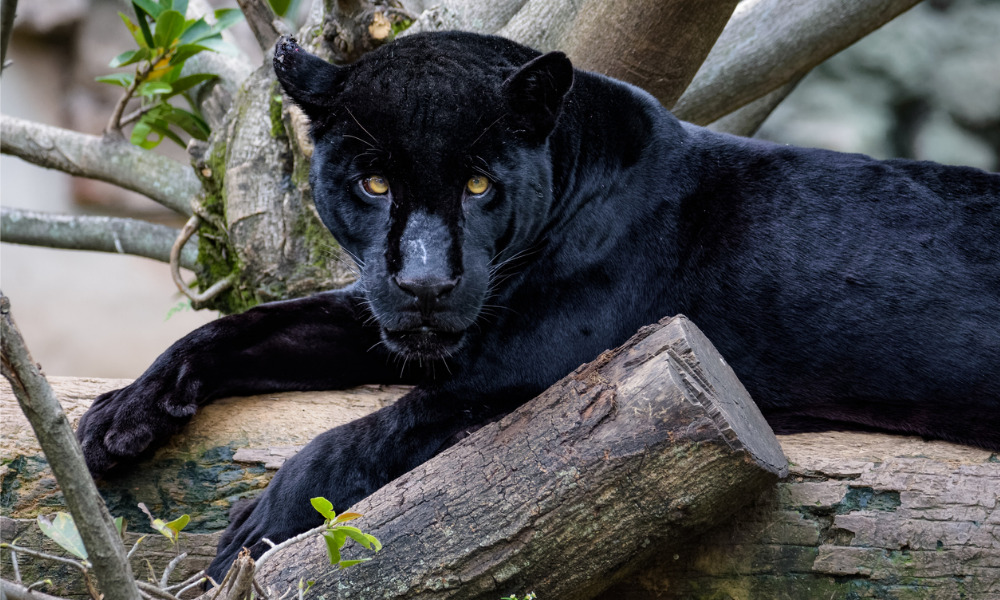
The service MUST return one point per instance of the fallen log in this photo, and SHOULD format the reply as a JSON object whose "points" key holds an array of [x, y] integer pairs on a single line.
{"points": [[624, 458], [859, 515]]}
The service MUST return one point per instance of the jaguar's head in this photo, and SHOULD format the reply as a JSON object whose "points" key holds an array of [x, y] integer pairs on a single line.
{"points": [[430, 167]]}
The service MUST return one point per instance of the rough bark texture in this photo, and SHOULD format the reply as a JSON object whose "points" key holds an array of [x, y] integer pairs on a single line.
{"points": [[859, 515], [627, 456]]}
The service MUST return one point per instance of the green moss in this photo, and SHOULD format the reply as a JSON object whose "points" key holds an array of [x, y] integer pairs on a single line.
{"points": [[277, 125], [217, 260], [865, 498]]}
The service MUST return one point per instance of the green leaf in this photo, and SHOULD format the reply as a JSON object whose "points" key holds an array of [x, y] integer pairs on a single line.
{"points": [[217, 44], [350, 563], [280, 7], [185, 83], [198, 30], [191, 123], [152, 88], [62, 530], [186, 51], [169, 26], [129, 57], [357, 535], [226, 17], [134, 30], [122, 79], [181, 6], [323, 507], [332, 549], [150, 7], [377, 545], [141, 16], [180, 522], [120, 526]]}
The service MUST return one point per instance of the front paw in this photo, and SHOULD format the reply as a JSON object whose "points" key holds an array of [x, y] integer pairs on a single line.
{"points": [[124, 423]]}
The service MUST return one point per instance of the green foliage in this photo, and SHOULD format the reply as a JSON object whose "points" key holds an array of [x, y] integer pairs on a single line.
{"points": [[337, 534], [399, 26], [528, 596], [62, 530], [169, 530], [166, 40]]}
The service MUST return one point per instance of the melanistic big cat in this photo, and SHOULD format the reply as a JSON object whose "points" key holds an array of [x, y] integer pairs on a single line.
{"points": [[512, 218]]}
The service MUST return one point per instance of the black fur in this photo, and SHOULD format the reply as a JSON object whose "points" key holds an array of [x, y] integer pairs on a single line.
{"points": [[843, 290]]}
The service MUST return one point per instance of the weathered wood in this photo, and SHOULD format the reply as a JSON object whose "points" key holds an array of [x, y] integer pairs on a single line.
{"points": [[860, 515], [625, 457]]}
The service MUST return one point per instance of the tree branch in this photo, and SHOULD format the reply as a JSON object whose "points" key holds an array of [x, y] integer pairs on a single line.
{"points": [[747, 119], [480, 17], [260, 18], [768, 43], [216, 96], [166, 181], [100, 234], [65, 458]]}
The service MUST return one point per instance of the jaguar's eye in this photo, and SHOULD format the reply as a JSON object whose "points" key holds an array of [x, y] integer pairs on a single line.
{"points": [[477, 184], [375, 185]]}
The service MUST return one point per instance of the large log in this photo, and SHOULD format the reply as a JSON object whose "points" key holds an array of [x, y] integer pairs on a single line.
{"points": [[859, 515]]}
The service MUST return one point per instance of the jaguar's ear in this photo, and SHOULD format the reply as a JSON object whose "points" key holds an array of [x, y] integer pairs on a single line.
{"points": [[309, 81], [535, 93]]}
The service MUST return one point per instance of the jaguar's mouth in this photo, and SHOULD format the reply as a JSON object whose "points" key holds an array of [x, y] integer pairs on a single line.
{"points": [[423, 342]]}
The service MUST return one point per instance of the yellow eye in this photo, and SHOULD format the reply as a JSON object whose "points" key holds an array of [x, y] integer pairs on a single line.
{"points": [[375, 184], [477, 184]]}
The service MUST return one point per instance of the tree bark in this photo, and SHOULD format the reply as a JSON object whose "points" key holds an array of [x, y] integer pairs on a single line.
{"points": [[768, 43], [860, 515], [627, 456]]}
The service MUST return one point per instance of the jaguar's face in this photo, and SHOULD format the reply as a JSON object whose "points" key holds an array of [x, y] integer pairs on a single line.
{"points": [[429, 167]]}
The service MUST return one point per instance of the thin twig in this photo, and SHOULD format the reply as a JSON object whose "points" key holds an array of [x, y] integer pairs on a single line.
{"points": [[114, 127], [154, 590], [175, 253], [293, 540], [170, 568], [45, 555]]}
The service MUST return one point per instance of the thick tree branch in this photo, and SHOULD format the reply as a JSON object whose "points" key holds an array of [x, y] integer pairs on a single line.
{"points": [[14, 591], [768, 43], [100, 234], [747, 120], [665, 41], [480, 17], [166, 181], [40, 406]]}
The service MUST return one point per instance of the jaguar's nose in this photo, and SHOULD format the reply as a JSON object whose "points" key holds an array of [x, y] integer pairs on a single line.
{"points": [[427, 290]]}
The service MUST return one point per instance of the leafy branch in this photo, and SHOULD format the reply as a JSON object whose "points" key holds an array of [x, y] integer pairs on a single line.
{"points": [[166, 40]]}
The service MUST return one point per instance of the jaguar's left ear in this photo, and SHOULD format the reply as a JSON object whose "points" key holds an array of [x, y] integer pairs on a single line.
{"points": [[535, 93]]}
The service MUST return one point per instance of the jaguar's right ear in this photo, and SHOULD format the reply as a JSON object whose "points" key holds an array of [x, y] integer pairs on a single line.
{"points": [[309, 81]]}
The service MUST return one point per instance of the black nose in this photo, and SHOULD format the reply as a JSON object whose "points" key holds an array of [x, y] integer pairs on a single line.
{"points": [[427, 290]]}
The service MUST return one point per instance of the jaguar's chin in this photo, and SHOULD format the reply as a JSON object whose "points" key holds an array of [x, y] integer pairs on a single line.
{"points": [[423, 343]]}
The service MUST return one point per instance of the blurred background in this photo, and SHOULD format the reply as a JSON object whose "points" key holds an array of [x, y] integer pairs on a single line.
{"points": [[926, 86]]}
